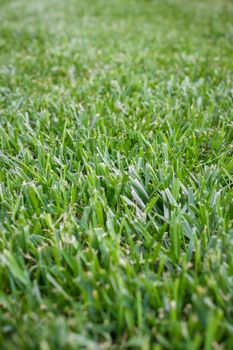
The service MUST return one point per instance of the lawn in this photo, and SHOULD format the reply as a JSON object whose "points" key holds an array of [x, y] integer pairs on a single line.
{"points": [[116, 174]]}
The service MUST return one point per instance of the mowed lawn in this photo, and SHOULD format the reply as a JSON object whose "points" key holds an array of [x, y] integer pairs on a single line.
{"points": [[116, 174]]}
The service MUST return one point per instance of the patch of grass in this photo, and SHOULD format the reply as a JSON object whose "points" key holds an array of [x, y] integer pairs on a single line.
{"points": [[116, 174]]}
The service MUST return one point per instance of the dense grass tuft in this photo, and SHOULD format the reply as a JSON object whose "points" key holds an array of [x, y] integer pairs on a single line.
{"points": [[116, 173]]}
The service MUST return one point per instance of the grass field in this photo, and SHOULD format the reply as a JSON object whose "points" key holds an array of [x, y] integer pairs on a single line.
{"points": [[116, 174]]}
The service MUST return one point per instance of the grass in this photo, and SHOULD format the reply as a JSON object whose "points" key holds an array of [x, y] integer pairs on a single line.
{"points": [[116, 174]]}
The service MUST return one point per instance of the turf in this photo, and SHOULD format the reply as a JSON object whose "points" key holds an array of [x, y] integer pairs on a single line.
{"points": [[116, 173]]}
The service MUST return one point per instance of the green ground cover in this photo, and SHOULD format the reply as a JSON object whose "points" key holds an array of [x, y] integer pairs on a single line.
{"points": [[116, 174]]}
